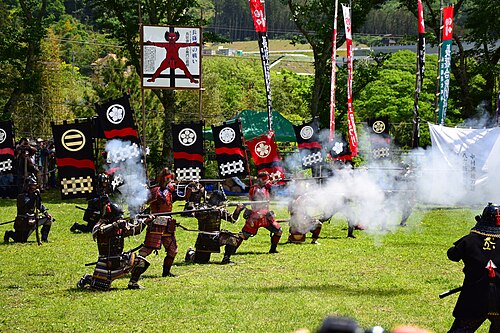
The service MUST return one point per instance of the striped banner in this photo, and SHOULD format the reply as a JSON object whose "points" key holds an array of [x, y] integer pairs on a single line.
{"points": [[353, 136], [445, 64], [259, 22], [334, 73]]}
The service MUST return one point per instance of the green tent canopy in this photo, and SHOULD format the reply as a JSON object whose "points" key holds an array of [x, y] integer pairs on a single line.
{"points": [[254, 123]]}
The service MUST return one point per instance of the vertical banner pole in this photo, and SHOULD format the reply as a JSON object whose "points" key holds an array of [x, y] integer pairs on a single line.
{"points": [[143, 107], [334, 74], [436, 101], [353, 137], [419, 77], [445, 63], [259, 22]]}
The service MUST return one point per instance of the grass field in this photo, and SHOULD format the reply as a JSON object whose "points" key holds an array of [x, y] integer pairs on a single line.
{"points": [[385, 279]]}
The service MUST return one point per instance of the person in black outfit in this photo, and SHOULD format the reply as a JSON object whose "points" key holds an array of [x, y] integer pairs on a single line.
{"points": [[95, 205], [29, 207], [480, 295]]}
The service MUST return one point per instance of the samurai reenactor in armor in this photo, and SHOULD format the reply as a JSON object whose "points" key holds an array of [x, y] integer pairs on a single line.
{"points": [[162, 230], [480, 293], [31, 214], [301, 221], [260, 216], [113, 263], [25, 164], [95, 205], [211, 238], [195, 192]]}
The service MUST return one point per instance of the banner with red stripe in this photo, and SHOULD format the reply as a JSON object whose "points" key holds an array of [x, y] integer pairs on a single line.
{"points": [[117, 121], [353, 136], [231, 157], [307, 135], [75, 158], [6, 147], [188, 151]]}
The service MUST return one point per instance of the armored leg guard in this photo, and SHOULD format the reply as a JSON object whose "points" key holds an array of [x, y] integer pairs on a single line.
{"points": [[138, 269], [350, 232], [45, 233], [85, 280], [315, 235], [228, 252], [274, 243], [9, 234], [201, 257], [167, 264]]}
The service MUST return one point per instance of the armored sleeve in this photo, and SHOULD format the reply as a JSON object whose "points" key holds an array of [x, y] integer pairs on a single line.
{"points": [[133, 228], [457, 251], [103, 228]]}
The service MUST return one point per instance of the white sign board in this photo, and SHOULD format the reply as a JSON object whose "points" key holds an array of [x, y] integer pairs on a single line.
{"points": [[171, 57]]}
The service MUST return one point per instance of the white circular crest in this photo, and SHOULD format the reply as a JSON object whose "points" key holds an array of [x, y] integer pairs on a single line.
{"points": [[3, 135], [338, 147], [306, 132], [262, 149], [378, 126], [187, 136], [115, 113], [227, 135], [73, 140]]}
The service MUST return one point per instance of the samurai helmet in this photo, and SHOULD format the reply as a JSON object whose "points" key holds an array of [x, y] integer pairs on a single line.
{"points": [[216, 198], [113, 211], [489, 221]]}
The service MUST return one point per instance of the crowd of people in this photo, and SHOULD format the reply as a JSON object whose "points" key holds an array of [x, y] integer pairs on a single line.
{"points": [[36, 156]]}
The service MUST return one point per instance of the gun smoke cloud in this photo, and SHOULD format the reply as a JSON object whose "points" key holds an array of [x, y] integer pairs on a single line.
{"points": [[126, 156], [380, 192]]}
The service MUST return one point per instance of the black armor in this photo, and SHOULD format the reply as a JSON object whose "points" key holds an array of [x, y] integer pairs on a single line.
{"points": [[210, 239], [112, 262], [31, 213]]}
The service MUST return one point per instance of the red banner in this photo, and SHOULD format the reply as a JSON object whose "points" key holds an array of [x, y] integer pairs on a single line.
{"points": [[448, 23], [334, 74], [353, 136], [259, 20], [265, 155]]}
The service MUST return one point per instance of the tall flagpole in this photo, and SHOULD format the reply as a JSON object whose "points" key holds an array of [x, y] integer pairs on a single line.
{"points": [[436, 102], [259, 22], [334, 74], [420, 68], [143, 107]]}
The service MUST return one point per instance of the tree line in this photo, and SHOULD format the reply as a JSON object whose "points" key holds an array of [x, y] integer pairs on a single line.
{"points": [[58, 58]]}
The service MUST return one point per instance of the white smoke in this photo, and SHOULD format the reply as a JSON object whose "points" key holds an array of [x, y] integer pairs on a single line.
{"points": [[377, 194], [134, 190]]}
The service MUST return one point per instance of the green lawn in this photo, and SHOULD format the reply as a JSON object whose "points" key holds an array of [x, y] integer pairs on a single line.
{"points": [[387, 280]]}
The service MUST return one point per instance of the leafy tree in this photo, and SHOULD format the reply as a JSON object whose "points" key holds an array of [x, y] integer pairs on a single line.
{"points": [[391, 94], [314, 19], [475, 21], [26, 22]]}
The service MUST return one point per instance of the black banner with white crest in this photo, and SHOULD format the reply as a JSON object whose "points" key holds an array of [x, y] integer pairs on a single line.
{"points": [[188, 151], [6, 147], [229, 150], [380, 140], [117, 121], [74, 158], [307, 136]]}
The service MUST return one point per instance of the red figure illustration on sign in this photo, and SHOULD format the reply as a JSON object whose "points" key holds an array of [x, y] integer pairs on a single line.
{"points": [[172, 59]]}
